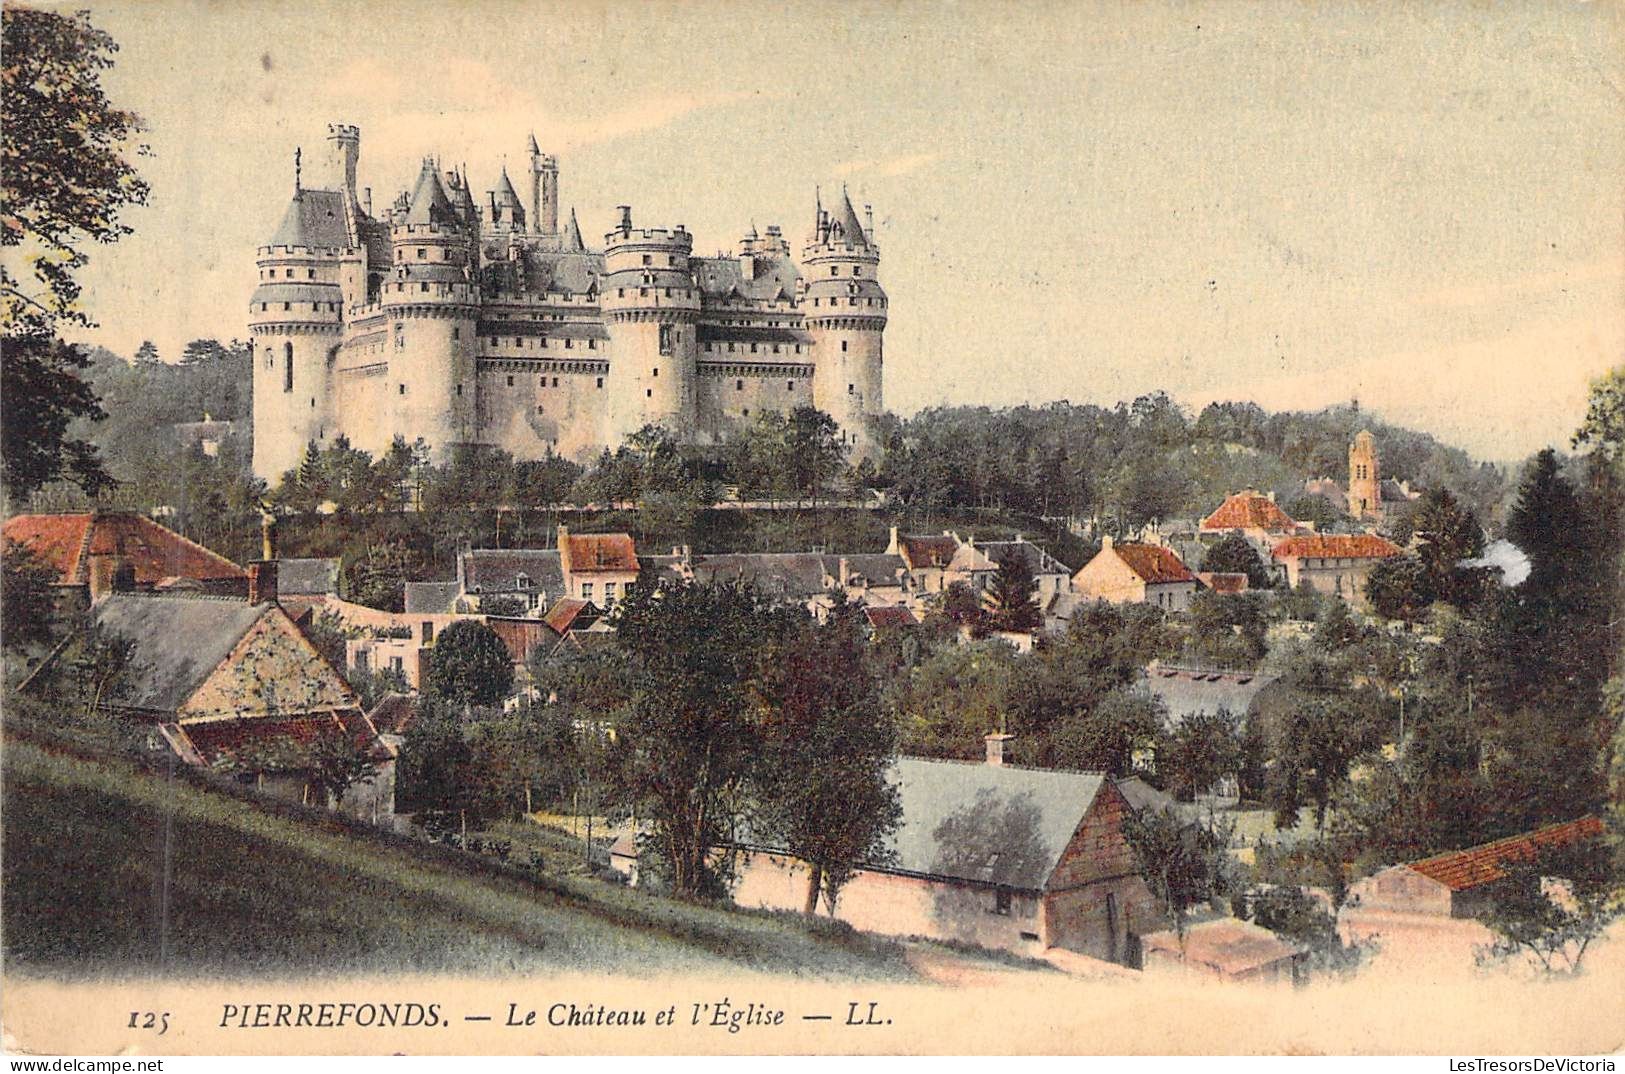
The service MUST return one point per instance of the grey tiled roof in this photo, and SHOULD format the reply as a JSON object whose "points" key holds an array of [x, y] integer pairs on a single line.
{"points": [[430, 598], [719, 276], [307, 577], [314, 218], [1188, 691], [497, 570], [786, 575], [1038, 560], [878, 567], [176, 641]]}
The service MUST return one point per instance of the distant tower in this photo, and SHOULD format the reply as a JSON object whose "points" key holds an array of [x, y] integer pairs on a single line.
{"points": [[431, 308], [295, 318], [1365, 478], [845, 309], [651, 309], [544, 191]]}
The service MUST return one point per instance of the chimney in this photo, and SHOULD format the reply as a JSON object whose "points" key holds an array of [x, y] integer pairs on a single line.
{"points": [[995, 747], [1271, 495], [267, 535], [626, 218], [1105, 541], [366, 200], [110, 573], [892, 546], [846, 572], [262, 582]]}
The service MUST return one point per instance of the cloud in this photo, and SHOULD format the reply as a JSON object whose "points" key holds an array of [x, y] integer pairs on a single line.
{"points": [[889, 167]]}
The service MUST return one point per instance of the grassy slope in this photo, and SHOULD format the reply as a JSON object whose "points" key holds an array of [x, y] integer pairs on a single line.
{"points": [[255, 892]]}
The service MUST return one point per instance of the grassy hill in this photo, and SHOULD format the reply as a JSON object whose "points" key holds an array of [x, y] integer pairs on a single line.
{"points": [[256, 889]]}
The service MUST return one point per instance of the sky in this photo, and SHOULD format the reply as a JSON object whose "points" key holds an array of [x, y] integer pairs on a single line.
{"points": [[1416, 206]]}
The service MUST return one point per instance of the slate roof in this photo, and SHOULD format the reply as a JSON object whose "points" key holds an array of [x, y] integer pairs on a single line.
{"points": [[314, 218], [1336, 546], [429, 204], [985, 824], [66, 542], [785, 575], [1250, 510], [394, 713], [1228, 944], [1186, 691], [307, 577], [497, 570], [177, 642], [601, 553], [572, 235], [1460, 870], [775, 274], [877, 568], [845, 226], [430, 598], [1154, 564], [1038, 561]]}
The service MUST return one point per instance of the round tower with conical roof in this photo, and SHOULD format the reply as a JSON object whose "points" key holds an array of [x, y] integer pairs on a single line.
{"points": [[651, 308], [296, 318], [431, 306], [845, 310]]}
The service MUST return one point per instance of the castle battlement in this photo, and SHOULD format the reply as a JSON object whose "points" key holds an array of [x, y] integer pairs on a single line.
{"points": [[504, 328]]}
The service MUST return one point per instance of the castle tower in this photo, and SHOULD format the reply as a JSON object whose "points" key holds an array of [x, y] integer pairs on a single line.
{"points": [[544, 191], [295, 320], [845, 310], [651, 308], [431, 307], [1365, 478]]}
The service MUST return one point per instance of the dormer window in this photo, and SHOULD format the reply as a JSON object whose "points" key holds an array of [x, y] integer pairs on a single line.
{"points": [[523, 581]]}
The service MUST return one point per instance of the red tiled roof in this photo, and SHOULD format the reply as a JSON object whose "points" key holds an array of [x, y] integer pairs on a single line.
{"points": [[1250, 511], [562, 616], [522, 636], [1223, 581], [1336, 546], [928, 551], [66, 543], [1153, 563], [1476, 866], [394, 713], [889, 616], [590, 553], [274, 742]]}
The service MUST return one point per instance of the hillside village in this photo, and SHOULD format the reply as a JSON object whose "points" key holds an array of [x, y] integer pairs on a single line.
{"points": [[1038, 738]]}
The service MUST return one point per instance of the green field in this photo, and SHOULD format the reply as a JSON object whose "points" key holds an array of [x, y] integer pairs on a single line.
{"points": [[89, 843]]}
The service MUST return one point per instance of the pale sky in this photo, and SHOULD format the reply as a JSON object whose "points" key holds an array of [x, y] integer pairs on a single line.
{"points": [[1420, 206]]}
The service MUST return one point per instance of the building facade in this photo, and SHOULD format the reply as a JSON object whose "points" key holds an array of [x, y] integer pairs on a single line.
{"points": [[492, 323]]}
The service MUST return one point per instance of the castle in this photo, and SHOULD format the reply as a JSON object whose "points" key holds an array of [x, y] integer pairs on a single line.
{"points": [[460, 323]]}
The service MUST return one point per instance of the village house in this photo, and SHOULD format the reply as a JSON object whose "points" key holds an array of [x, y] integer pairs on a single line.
{"points": [[231, 685], [1050, 575], [1255, 516], [598, 567], [1131, 573], [1185, 692], [935, 562], [1011, 858], [1428, 909], [1335, 564], [84, 550]]}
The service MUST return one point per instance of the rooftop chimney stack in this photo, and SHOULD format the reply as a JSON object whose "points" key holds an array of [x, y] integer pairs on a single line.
{"points": [[262, 582], [995, 747]]}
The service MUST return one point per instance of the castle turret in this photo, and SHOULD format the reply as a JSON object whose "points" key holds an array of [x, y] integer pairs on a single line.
{"points": [[544, 191], [651, 309], [845, 310], [507, 213], [431, 304], [295, 319], [1365, 478]]}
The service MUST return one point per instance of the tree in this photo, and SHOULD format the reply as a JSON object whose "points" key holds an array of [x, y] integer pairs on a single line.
{"points": [[469, 664], [1552, 904], [1228, 629], [336, 760], [66, 180], [822, 782], [26, 601], [378, 577], [691, 726], [1181, 862], [1313, 753], [1603, 429], [1234, 555], [1290, 912], [1014, 592], [1198, 752], [1400, 587], [1447, 534], [1105, 737]]}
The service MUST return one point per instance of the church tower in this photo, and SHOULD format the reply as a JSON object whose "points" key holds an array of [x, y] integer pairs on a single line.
{"points": [[845, 310], [1365, 479], [544, 191]]}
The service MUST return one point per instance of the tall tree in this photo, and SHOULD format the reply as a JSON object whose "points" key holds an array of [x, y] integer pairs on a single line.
{"points": [[66, 180], [1233, 554], [469, 664], [1014, 593], [821, 782]]}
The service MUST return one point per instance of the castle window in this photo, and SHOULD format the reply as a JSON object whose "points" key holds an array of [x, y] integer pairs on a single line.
{"points": [[643, 292], [287, 306], [850, 388], [656, 371], [600, 382], [798, 348], [287, 367], [739, 385], [834, 270], [843, 344], [730, 348], [753, 348], [262, 307], [538, 408], [775, 348], [569, 343], [423, 286], [400, 389], [422, 253], [459, 390], [544, 343], [746, 412], [857, 270], [592, 344], [665, 339], [647, 260], [648, 393], [517, 342], [789, 385], [493, 341], [851, 302], [456, 332], [620, 292], [555, 382], [288, 273], [510, 381], [708, 347]]}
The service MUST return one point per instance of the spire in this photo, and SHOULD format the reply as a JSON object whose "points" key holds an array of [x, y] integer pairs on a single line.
{"points": [[572, 236], [429, 204], [297, 168], [535, 150], [505, 189], [851, 231]]}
